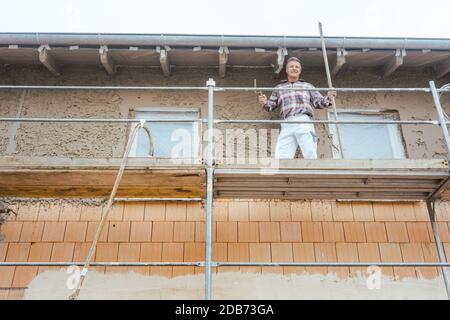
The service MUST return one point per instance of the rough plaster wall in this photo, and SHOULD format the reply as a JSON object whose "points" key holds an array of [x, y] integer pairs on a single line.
{"points": [[232, 285], [9, 103], [107, 140]]}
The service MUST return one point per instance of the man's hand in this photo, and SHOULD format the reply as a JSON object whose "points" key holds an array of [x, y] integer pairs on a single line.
{"points": [[332, 94], [262, 99]]}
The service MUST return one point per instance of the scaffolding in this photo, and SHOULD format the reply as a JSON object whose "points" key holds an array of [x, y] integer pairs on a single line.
{"points": [[210, 167]]}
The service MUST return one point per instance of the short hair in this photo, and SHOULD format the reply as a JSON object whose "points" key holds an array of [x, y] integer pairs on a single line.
{"points": [[293, 59]]}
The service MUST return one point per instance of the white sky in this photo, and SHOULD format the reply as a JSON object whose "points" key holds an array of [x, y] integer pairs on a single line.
{"points": [[369, 18]]}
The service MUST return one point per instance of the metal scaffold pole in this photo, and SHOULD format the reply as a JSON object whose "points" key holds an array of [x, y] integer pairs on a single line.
{"points": [[209, 188], [431, 202]]}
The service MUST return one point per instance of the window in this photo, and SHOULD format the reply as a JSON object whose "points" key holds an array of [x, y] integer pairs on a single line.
{"points": [[170, 139], [367, 141]]}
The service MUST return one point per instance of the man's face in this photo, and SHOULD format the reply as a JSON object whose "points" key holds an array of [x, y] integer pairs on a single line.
{"points": [[293, 69]]}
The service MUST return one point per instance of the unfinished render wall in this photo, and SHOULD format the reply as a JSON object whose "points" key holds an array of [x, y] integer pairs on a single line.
{"points": [[243, 231], [107, 140]]}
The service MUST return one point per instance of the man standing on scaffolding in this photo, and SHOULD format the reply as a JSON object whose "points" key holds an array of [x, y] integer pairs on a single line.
{"points": [[296, 105]]}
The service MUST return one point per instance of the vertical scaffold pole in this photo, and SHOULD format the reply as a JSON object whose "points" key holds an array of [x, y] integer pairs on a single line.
{"points": [[431, 205], [209, 188]]}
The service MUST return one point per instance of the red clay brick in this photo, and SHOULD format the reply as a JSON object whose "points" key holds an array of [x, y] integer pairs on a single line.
{"points": [[23, 276], [375, 231], [119, 231], [421, 211], [28, 213], [342, 211], [200, 231], [418, 232], [301, 211], [195, 212], [383, 211], [248, 232], [281, 252], [368, 252], [333, 232], [76, 231], [194, 252], [141, 231], [226, 231], [3, 250], [32, 231], [362, 211], [116, 212], [391, 252], [411, 252], [134, 211], [18, 252], [184, 231], [397, 232], [49, 212], [40, 252], [354, 232], [11, 231], [325, 252], [269, 232], [220, 211], [219, 253], [155, 211], [238, 211], [162, 231], [176, 212], [92, 230], [238, 252], [430, 255], [347, 252], [151, 252], [70, 213], [304, 252], [91, 213], [259, 211], [404, 212], [321, 211], [54, 231], [291, 231], [62, 252], [259, 252], [312, 232], [130, 252], [280, 211]]}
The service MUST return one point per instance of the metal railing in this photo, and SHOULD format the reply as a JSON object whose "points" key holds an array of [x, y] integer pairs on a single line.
{"points": [[209, 166]]}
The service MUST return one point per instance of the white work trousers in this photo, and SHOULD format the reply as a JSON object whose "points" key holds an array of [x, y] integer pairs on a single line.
{"points": [[301, 134]]}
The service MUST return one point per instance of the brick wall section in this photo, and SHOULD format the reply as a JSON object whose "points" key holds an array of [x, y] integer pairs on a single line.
{"points": [[254, 231]]}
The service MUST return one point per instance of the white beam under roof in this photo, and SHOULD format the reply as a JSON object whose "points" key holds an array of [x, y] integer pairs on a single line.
{"points": [[281, 54], [164, 60], [223, 59], [394, 63], [443, 68], [47, 60], [340, 61], [106, 60]]}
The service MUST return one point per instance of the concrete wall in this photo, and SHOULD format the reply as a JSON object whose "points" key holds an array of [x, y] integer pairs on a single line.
{"points": [[107, 140]]}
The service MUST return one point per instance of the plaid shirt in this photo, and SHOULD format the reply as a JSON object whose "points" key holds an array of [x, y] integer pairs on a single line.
{"points": [[293, 102]]}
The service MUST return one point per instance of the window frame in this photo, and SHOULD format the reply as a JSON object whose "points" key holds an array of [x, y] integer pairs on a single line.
{"points": [[196, 126], [396, 138]]}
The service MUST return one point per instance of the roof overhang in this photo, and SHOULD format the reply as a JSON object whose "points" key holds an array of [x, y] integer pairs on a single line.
{"points": [[166, 51]]}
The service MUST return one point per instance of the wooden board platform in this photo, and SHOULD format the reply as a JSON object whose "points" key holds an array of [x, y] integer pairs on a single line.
{"points": [[332, 179], [51, 177], [59, 178]]}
